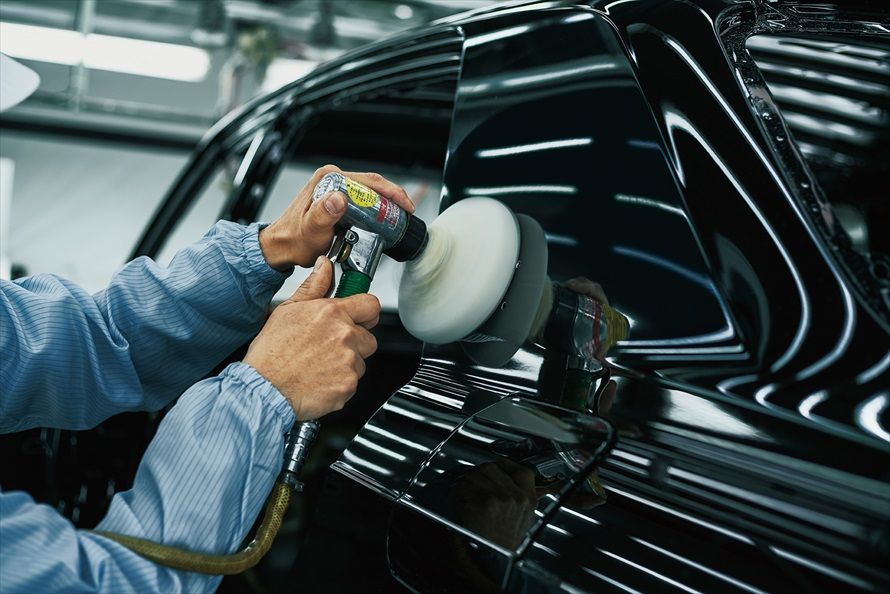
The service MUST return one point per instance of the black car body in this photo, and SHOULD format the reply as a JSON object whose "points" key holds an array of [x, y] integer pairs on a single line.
{"points": [[693, 158]]}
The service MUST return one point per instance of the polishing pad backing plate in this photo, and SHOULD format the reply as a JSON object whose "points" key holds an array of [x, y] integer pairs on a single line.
{"points": [[463, 273], [509, 325]]}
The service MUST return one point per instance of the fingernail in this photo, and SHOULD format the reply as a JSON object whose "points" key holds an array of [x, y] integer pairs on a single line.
{"points": [[319, 262], [334, 203]]}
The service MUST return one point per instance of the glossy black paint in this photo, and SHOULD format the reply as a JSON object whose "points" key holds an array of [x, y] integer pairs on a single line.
{"points": [[745, 446], [751, 397]]}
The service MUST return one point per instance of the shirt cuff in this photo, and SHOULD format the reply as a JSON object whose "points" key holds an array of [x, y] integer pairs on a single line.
{"points": [[259, 387], [253, 255]]}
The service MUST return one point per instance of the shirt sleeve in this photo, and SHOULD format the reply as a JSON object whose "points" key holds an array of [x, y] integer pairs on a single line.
{"points": [[71, 359], [200, 486]]}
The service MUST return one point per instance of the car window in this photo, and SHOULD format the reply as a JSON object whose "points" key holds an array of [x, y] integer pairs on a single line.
{"points": [[204, 211], [566, 137]]}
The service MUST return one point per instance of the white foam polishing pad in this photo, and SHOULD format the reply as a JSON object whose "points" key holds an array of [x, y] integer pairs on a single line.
{"points": [[463, 273]]}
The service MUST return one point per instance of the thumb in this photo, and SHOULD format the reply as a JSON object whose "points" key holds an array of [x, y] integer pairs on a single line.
{"points": [[324, 213], [317, 283]]}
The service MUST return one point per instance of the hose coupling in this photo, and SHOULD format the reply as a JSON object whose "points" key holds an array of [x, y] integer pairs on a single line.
{"points": [[296, 449]]}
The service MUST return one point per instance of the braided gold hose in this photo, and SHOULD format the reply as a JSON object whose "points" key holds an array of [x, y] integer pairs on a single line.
{"points": [[276, 507]]}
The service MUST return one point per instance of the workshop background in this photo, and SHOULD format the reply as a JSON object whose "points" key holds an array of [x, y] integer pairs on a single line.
{"points": [[127, 89]]}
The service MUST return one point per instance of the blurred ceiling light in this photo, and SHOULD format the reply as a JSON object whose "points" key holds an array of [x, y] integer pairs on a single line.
{"points": [[283, 71], [404, 12], [104, 52]]}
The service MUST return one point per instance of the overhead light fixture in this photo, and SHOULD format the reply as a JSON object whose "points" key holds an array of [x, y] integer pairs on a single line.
{"points": [[404, 12], [104, 52]]}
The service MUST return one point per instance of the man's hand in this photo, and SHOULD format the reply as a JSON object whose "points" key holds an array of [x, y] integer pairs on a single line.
{"points": [[306, 229], [313, 349]]}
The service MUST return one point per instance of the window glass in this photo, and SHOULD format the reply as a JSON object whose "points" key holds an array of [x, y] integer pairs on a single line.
{"points": [[204, 211], [567, 138]]}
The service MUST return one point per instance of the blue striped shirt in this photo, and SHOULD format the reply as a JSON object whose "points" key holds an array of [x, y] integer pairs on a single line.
{"points": [[71, 360]]}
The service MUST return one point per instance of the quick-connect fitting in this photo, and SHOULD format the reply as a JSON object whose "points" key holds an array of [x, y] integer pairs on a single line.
{"points": [[296, 450]]}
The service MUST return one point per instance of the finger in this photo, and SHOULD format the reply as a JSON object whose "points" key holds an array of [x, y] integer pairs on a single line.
{"points": [[365, 342], [384, 187], [585, 286], [324, 213], [316, 284], [363, 309]]}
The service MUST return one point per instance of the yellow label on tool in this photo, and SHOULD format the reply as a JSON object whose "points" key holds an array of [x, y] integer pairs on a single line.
{"points": [[360, 195]]}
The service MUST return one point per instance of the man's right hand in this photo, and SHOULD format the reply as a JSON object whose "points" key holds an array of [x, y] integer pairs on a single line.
{"points": [[313, 349]]}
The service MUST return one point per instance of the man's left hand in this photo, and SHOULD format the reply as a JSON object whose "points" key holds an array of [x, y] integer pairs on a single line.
{"points": [[306, 229]]}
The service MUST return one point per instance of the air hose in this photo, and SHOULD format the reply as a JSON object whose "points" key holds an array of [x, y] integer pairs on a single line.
{"points": [[276, 507], [300, 437]]}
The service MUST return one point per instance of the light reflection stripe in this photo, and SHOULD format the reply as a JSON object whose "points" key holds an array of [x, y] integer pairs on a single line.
{"points": [[654, 574], [868, 415], [579, 515], [496, 35], [561, 239], [379, 448], [695, 277], [644, 144], [412, 415], [844, 340], [558, 530], [609, 580], [720, 335], [643, 201], [874, 371], [686, 517], [531, 148], [355, 460], [810, 402], [829, 571], [521, 81], [707, 570], [531, 189], [389, 434], [631, 457]]}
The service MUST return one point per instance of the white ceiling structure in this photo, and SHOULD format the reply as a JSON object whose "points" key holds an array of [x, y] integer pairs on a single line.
{"points": [[169, 68]]}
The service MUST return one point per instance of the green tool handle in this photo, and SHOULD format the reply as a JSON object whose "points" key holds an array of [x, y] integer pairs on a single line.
{"points": [[352, 282], [577, 387]]}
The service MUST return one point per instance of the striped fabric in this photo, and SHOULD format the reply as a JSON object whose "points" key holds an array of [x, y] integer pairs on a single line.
{"points": [[70, 360]]}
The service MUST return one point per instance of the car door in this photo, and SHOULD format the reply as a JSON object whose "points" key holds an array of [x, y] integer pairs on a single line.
{"points": [[626, 135]]}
